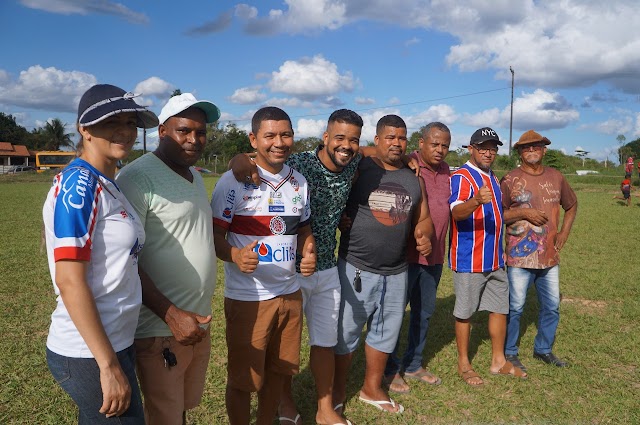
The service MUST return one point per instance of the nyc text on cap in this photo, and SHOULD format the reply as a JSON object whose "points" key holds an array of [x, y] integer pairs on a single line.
{"points": [[484, 134]]}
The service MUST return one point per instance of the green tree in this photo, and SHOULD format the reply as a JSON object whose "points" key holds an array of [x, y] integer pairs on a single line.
{"points": [[12, 132], [176, 92], [413, 142], [621, 139], [55, 136], [307, 144]]}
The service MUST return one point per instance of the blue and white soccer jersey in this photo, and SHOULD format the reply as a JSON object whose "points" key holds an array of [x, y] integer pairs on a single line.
{"points": [[87, 218], [270, 214]]}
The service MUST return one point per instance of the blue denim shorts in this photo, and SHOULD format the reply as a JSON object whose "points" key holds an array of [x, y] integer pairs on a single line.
{"points": [[380, 304], [80, 378]]}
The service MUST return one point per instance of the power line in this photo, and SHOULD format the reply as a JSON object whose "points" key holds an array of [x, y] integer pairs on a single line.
{"points": [[393, 105]]}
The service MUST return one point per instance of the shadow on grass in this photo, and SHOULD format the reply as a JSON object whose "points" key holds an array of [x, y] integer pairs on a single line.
{"points": [[441, 334]]}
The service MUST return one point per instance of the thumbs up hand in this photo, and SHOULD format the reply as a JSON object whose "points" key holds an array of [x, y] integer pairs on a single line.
{"points": [[484, 195], [308, 262], [246, 258]]}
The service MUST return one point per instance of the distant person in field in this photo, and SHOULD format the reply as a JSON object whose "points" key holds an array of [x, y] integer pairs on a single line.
{"points": [[93, 237], [628, 168], [532, 197], [387, 207], [258, 230], [177, 264], [424, 272], [476, 255], [625, 187]]}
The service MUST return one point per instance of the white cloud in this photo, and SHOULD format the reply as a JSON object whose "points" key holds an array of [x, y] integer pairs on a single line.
{"points": [[536, 44], [364, 100], [245, 11], [310, 128], [567, 43], [87, 7], [411, 41], [442, 113], [247, 95], [153, 86], [48, 89], [301, 16], [393, 101], [288, 102], [540, 110], [310, 78]]}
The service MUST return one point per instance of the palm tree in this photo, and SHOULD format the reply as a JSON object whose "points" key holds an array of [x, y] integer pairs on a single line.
{"points": [[55, 135]]}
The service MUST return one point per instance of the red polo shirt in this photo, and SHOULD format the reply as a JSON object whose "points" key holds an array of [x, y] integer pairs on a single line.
{"points": [[438, 192]]}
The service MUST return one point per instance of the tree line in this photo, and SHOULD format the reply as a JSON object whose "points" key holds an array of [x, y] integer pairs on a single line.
{"points": [[223, 142]]}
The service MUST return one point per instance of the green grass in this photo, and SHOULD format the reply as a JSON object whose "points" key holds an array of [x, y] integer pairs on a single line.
{"points": [[598, 333]]}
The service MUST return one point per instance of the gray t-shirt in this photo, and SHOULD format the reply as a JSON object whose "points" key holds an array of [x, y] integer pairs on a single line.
{"points": [[381, 207]]}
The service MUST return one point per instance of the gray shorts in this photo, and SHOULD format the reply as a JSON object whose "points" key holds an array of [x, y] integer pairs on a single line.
{"points": [[481, 291], [380, 305]]}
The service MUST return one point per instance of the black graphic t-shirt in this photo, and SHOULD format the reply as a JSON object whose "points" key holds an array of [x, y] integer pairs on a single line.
{"points": [[381, 206]]}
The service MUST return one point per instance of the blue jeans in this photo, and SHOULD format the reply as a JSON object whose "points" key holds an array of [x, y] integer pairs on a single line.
{"points": [[421, 295], [547, 283], [80, 378]]}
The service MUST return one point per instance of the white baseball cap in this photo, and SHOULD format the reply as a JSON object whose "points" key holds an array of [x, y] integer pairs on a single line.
{"points": [[184, 101]]}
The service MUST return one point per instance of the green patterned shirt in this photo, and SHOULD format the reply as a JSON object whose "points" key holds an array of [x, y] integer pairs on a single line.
{"points": [[329, 192]]}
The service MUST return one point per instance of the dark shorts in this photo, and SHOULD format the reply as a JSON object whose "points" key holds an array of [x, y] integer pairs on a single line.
{"points": [[626, 194]]}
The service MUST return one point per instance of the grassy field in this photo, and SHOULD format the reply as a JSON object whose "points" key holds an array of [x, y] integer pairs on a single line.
{"points": [[598, 333]]}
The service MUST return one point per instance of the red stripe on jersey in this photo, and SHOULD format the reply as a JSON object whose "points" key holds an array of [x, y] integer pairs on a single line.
{"points": [[254, 225], [94, 214], [72, 253], [220, 223]]}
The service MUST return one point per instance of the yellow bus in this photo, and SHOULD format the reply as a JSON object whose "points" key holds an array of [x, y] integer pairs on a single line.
{"points": [[46, 160]]}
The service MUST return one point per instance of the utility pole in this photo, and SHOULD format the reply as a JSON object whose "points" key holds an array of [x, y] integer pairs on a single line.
{"points": [[144, 141], [511, 120]]}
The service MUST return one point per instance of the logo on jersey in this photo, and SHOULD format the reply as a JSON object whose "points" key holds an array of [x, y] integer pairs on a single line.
{"points": [[276, 208], [251, 186], [294, 183], [297, 199], [267, 254], [277, 225], [135, 250], [74, 196], [251, 197], [230, 202]]}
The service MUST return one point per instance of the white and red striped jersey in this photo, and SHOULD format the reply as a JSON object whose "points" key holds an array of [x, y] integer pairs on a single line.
{"points": [[270, 213]]}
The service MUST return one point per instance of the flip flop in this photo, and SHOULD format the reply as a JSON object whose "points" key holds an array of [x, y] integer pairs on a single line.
{"points": [[468, 375], [418, 377], [339, 408], [379, 403], [507, 368], [396, 380], [293, 421]]}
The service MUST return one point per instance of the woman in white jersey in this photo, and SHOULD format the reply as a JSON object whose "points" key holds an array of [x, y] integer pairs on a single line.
{"points": [[93, 238]]}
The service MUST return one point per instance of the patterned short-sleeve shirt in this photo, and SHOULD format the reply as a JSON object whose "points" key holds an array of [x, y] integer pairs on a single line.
{"points": [[329, 192]]}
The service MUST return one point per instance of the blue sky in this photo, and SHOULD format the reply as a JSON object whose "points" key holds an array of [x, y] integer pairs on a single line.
{"points": [[576, 62]]}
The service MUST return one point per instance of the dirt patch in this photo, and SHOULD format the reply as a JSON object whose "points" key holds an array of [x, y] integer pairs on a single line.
{"points": [[591, 305]]}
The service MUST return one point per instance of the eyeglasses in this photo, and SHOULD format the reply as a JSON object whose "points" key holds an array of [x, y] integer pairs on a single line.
{"points": [[482, 151], [532, 148]]}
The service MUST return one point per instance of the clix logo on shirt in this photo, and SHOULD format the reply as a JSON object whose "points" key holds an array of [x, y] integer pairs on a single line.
{"points": [[267, 254]]}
